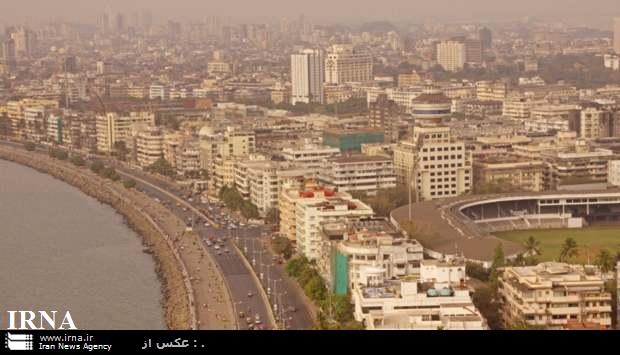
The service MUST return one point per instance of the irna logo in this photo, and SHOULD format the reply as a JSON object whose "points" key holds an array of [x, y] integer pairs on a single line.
{"points": [[23, 320]]}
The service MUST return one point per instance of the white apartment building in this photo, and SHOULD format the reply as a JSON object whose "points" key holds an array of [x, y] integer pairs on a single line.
{"points": [[307, 76], [160, 92], [113, 128], [611, 61], [35, 120], [519, 107], [293, 191], [359, 173], [350, 246], [491, 90], [231, 143], [594, 124], [553, 294], [613, 174], [451, 55], [149, 146], [344, 64], [437, 164], [187, 158], [402, 96], [309, 156], [311, 212], [55, 128], [547, 125], [436, 299]]}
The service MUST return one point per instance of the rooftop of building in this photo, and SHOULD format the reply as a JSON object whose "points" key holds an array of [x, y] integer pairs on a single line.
{"points": [[359, 158]]}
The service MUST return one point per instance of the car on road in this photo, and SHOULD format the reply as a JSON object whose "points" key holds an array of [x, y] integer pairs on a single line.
{"points": [[250, 294], [226, 251], [217, 247], [257, 319], [209, 243]]}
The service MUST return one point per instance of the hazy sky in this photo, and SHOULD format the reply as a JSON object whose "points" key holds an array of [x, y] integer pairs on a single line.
{"points": [[591, 12]]}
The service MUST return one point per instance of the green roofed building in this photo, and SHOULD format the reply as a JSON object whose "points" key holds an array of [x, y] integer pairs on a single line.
{"points": [[351, 140]]}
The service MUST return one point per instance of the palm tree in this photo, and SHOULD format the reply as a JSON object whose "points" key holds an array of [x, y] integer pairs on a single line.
{"points": [[569, 249], [532, 246], [605, 261]]}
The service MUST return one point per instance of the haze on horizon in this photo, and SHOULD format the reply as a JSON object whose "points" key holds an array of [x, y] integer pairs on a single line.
{"points": [[594, 13]]}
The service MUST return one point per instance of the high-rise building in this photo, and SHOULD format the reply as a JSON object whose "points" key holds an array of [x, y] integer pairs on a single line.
{"points": [[8, 54], [474, 51], [24, 39], [617, 35], [451, 55], [486, 37], [149, 146], [113, 128], [346, 64], [70, 64], [307, 76], [434, 161], [384, 114]]}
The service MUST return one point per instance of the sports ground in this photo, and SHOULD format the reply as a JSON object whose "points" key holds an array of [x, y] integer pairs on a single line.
{"points": [[589, 240]]}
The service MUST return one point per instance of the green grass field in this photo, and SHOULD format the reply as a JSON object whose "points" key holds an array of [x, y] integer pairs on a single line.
{"points": [[590, 241]]}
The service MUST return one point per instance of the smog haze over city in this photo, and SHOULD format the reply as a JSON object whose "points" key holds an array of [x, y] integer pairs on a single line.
{"points": [[234, 165], [592, 13]]}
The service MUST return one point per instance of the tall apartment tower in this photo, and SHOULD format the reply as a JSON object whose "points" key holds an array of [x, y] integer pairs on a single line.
{"points": [[346, 64], [474, 51], [307, 76], [617, 35], [384, 114], [486, 37], [451, 55]]}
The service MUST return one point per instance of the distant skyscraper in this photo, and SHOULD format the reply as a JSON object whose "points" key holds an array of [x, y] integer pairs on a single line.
{"points": [[617, 35], [8, 54], [307, 76], [345, 64], [486, 37], [451, 55], [70, 64], [473, 49]]}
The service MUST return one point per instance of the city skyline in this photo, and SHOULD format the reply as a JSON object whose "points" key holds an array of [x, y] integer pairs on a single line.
{"points": [[484, 11]]}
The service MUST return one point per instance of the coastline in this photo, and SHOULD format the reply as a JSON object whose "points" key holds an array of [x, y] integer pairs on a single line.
{"points": [[177, 297]]}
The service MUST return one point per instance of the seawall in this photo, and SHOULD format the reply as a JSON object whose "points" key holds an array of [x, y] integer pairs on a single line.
{"points": [[177, 295]]}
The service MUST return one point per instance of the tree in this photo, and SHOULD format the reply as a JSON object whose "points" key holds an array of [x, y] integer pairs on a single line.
{"points": [[129, 183], [521, 324], [283, 246], [296, 266], [272, 216], [120, 150], [532, 246], [162, 167], [110, 173], [477, 271], [342, 308], [30, 146], [315, 288], [499, 260], [77, 160], [569, 249], [484, 299], [605, 261], [249, 210], [97, 166]]}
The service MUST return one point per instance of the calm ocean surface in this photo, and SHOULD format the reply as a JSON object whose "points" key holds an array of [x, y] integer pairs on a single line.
{"points": [[62, 250]]}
